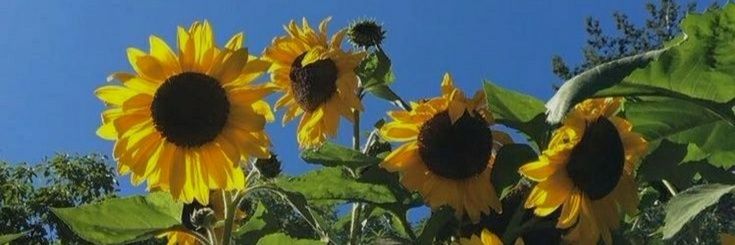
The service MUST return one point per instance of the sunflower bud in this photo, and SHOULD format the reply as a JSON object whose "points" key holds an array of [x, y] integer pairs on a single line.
{"points": [[269, 167], [203, 218], [188, 212], [378, 147], [365, 33]]}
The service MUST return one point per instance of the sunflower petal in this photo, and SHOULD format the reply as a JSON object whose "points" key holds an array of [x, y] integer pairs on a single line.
{"points": [[232, 66], [163, 53], [250, 94], [396, 131], [538, 171], [235, 41], [570, 211], [114, 95]]}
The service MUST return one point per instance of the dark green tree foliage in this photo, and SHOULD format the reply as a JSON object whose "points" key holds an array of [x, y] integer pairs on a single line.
{"points": [[29, 191], [661, 25]]}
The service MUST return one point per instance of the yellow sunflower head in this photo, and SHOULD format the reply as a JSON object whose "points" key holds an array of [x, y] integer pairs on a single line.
{"points": [[588, 171], [448, 151], [317, 79], [185, 118], [485, 238]]}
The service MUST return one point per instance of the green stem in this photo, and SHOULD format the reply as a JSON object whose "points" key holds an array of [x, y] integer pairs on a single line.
{"points": [[229, 217], [210, 235], [670, 187], [403, 105], [356, 207], [356, 131]]}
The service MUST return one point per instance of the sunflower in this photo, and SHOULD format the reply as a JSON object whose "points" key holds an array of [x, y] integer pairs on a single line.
{"points": [[183, 121], [317, 79], [485, 238], [448, 152], [588, 171]]}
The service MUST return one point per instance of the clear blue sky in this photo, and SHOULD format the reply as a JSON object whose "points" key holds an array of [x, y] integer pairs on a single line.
{"points": [[56, 53]]}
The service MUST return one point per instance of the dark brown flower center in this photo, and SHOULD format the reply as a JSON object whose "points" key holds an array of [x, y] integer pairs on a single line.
{"points": [[190, 109], [314, 83], [455, 151], [596, 162]]}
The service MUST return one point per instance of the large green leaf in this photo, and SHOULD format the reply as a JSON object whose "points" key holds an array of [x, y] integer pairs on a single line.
{"points": [[335, 184], [587, 83], [282, 238], [5, 239], [123, 220], [663, 164], [687, 204], [510, 157], [379, 176], [334, 155], [260, 224], [663, 118], [685, 122], [511, 105], [701, 67], [710, 137], [516, 110], [299, 204], [669, 162]]}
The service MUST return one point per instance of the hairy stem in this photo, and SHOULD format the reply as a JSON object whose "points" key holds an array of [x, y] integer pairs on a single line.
{"points": [[356, 207], [229, 217], [211, 236], [669, 187]]}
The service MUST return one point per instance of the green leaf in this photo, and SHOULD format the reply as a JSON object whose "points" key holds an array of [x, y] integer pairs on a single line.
{"points": [[376, 74], [663, 118], [435, 224], [334, 155], [519, 111], [375, 70], [510, 157], [713, 138], [686, 205], [335, 184], [384, 92], [703, 65], [379, 176], [405, 199], [281, 238], [7, 238], [298, 202], [260, 224], [586, 84], [511, 105], [123, 220], [685, 122], [668, 162], [663, 164]]}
